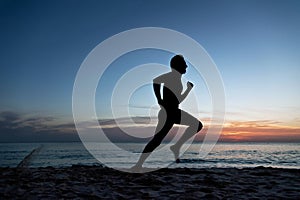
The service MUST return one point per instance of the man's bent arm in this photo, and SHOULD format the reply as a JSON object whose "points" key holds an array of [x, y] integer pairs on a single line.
{"points": [[186, 92], [184, 95]]}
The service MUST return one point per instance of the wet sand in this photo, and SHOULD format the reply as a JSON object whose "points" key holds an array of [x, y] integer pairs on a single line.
{"points": [[96, 182]]}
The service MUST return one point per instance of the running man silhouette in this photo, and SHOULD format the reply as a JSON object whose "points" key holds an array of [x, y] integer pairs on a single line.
{"points": [[170, 113]]}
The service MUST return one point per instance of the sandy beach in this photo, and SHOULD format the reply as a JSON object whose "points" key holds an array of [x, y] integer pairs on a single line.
{"points": [[96, 182]]}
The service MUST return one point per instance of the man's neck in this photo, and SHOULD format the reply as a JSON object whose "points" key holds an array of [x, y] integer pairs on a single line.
{"points": [[176, 73]]}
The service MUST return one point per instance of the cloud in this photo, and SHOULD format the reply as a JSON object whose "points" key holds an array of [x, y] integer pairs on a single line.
{"points": [[9, 116], [128, 122], [260, 131], [156, 107], [15, 127]]}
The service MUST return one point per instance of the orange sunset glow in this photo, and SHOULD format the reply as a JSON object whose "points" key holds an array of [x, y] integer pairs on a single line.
{"points": [[259, 131]]}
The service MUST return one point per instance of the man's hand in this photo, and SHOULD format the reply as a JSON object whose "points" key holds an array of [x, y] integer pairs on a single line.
{"points": [[189, 85]]}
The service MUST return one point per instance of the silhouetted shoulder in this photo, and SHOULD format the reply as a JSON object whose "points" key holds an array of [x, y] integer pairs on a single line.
{"points": [[162, 78]]}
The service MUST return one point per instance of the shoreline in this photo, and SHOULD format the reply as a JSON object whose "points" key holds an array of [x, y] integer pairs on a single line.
{"points": [[79, 181]]}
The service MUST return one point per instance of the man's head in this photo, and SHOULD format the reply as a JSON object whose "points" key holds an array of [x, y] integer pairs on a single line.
{"points": [[178, 63]]}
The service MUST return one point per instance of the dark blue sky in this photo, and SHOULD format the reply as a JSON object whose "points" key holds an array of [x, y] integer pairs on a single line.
{"points": [[255, 45]]}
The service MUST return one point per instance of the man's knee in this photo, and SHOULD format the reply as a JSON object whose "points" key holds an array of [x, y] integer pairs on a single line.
{"points": [[200, 126], [196, 127]]}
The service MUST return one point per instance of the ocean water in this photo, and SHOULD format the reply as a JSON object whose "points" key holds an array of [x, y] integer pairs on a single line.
{"points": [[224, 155]]}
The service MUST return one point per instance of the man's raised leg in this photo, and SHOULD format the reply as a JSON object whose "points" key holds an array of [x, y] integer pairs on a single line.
{"points": [[194, 126]]}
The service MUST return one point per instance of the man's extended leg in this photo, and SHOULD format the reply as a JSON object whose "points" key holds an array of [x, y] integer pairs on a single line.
{"points": [[194, 126], [163, 127]]}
